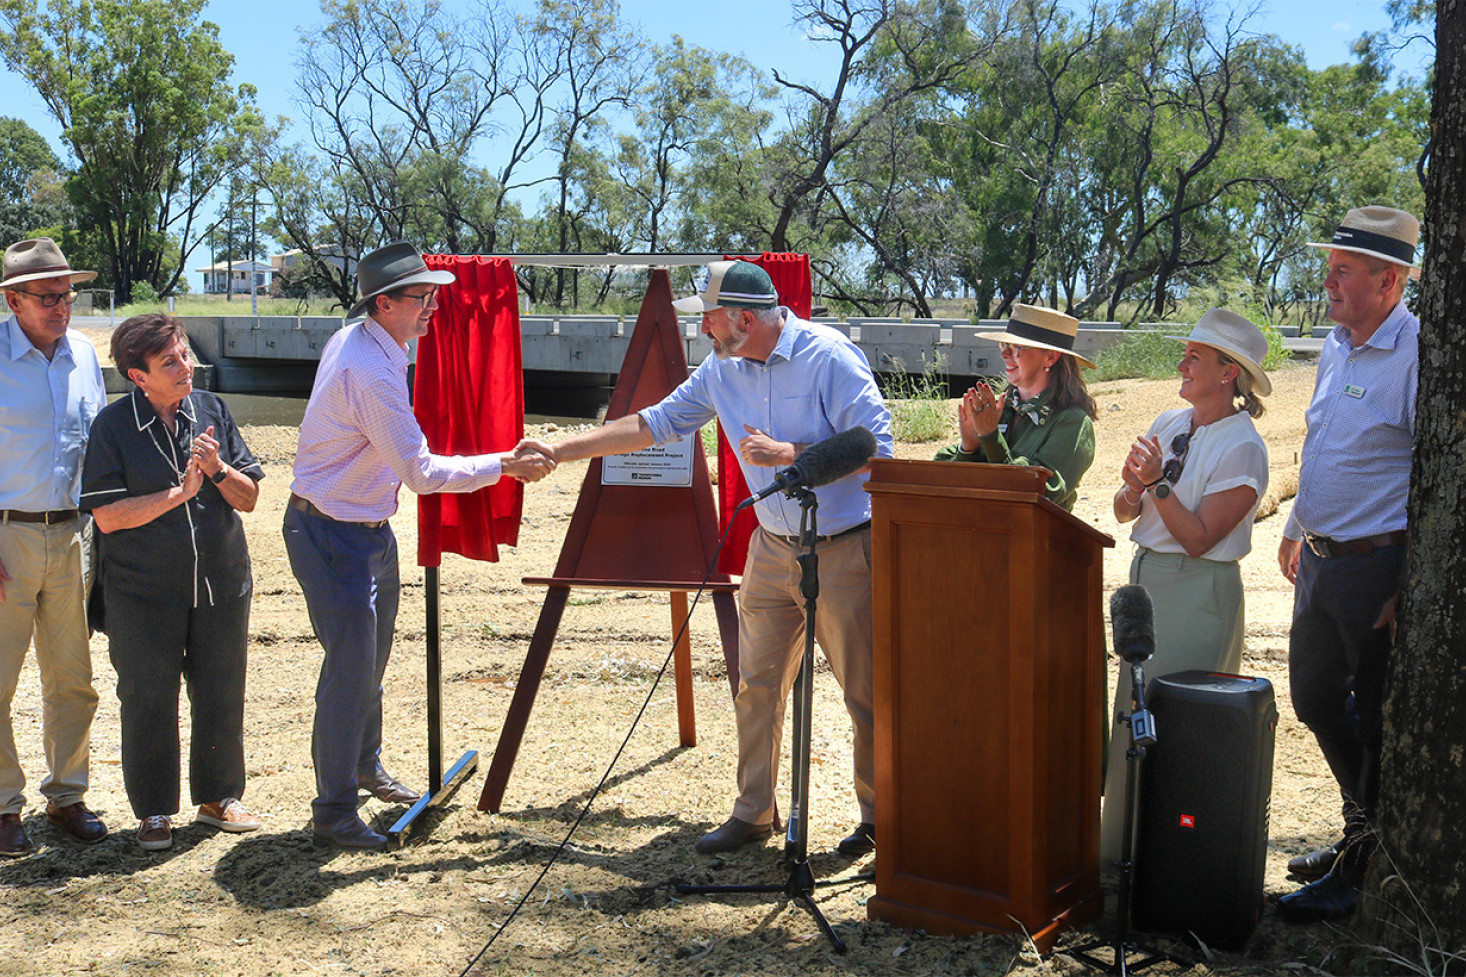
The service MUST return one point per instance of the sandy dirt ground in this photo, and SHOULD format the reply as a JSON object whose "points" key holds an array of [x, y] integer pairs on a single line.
{"points": [[269, 903]]}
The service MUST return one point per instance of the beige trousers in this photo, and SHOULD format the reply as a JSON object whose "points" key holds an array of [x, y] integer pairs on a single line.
{"points": [[45, 598], [771, 643]]}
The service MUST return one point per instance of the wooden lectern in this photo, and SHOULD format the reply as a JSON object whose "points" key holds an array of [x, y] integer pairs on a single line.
{"points": [[989, 701]]}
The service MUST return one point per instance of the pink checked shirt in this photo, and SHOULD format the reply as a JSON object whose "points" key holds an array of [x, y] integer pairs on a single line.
{"points": [[359, 441]]}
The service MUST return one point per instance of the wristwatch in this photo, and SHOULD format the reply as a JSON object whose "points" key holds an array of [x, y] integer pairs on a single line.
{"points": [[220, 475], [1162, 490]]}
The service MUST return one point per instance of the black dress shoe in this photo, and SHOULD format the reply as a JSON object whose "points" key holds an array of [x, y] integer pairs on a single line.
{"points": [[384, 787], [77, 821], [732, 833], [1332, 897], [13, 840], [862, 841], [1314, 865]]}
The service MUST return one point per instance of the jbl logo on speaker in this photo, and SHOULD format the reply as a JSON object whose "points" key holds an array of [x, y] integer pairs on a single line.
{"points": [[1188, 820]]}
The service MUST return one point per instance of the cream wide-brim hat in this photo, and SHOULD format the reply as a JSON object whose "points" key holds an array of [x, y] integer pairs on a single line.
{"points": [[1041, 328], [1239, 338]]}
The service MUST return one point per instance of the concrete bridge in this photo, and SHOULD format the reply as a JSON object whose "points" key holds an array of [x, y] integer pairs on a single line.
{"points": [[275, 354]]}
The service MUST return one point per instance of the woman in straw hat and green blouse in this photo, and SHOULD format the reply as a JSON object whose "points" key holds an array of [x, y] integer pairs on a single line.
{"points": [[1045, 417], [1191, 486]]}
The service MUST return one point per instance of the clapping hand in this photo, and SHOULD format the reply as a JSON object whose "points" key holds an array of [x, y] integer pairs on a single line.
{"points": [[1143, 466], [206, 452], [193, 478], [977, 416]]}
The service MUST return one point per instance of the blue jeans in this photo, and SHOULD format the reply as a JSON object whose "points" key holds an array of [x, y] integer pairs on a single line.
{"points": [[348, 573]]}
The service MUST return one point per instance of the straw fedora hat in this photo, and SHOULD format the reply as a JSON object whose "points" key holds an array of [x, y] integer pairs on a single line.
{"points": [[397, 265], [1381, 232], [1041, 328], [35, 259], [1239, 338]]}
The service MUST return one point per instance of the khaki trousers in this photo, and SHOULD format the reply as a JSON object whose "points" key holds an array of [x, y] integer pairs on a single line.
{"points": [[45, 598], [771, 643]]}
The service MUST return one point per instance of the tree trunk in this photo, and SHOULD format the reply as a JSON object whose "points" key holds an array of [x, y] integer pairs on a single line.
{"points": [[1415, 899]]}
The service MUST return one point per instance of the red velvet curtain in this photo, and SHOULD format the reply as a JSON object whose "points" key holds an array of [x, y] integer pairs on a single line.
{"points": [[469, 398], [790, 274]]}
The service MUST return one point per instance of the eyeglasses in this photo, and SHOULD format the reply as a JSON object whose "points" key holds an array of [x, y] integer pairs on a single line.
{"points": [[49, 300], [422, 298], [1010, 349], [1171, 470]]}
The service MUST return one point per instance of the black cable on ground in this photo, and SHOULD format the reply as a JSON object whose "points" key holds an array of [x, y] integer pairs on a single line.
{"points": [[596, 792]]}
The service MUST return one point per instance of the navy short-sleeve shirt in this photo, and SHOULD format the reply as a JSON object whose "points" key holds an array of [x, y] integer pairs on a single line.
{"points": [[194, 554]]}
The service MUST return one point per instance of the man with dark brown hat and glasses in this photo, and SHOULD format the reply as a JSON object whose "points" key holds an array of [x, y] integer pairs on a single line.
{"points": [[1344, 544], [50, 389], [359, 444]]}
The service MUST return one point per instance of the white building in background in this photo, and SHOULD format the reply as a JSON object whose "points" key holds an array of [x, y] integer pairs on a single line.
{"points": [[293, 257], [237, 277]]}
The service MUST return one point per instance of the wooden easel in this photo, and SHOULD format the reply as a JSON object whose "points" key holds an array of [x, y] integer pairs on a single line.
{"points": [[632, 537]]}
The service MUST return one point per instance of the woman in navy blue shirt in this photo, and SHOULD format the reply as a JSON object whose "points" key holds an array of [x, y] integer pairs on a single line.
{"points": [[165, 477]]}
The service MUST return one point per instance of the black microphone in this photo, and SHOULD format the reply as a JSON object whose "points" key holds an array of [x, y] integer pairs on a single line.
{"points": [[1133, 620], [822, 463]]}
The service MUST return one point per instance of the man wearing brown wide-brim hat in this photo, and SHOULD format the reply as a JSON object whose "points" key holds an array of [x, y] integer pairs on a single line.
{"points": [[1344, 544], [50, 389]]}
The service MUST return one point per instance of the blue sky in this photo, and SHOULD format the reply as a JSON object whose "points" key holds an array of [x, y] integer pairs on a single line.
{"points": [[263, 35]]}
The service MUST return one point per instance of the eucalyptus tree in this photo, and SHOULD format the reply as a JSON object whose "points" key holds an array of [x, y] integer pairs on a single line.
{"points": [[142, 93], [32, 192], [598, 62], [1414, 905], [890, 52], [399, 97], [1013, 146]]}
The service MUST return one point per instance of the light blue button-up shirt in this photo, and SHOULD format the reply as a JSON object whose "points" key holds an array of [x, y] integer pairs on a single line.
{"points": [[46, 410], [816, 383], [1355, 477]]}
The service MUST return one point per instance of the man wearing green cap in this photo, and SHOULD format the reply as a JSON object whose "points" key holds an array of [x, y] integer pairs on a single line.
{"points": [[785, 383]]}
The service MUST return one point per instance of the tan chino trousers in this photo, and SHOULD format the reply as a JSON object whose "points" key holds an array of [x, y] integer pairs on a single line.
{"points": [[771, 643], [45, 598]]}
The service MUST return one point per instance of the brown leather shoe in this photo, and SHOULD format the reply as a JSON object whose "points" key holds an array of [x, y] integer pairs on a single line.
{"points": [[77, 821], [384, 787], [230, 815], [350, 833], [13, 840], [732, 833]]}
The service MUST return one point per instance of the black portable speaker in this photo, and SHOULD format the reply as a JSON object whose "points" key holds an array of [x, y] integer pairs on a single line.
{"points": [[1203, 821]]}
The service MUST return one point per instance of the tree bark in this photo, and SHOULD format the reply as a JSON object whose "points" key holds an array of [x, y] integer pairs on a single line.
{"points": [[1415, 898]]}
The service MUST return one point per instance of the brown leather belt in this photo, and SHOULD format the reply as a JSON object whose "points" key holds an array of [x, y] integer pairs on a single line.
{"points": [[309, 508], [1330, 549], [824, 539], [54, 516]]}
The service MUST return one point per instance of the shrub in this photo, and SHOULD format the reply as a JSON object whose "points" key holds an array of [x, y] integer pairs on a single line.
{"points": [[918, 404], [1148, 354]]}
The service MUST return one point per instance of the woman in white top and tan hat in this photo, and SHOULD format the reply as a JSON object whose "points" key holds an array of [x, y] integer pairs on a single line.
{"points": [[1191, 485]]}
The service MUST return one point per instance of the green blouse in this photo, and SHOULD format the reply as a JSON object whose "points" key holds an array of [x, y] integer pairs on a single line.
{"points": [[1031, 434]]}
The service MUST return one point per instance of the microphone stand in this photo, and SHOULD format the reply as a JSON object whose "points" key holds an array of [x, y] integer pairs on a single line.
{"points": [[1122, 947], [800, 884]]}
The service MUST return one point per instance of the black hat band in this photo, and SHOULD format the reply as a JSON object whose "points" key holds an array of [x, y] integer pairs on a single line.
{"points": [[1349, 237], [1026, 330]]}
